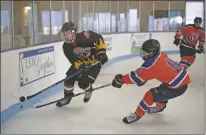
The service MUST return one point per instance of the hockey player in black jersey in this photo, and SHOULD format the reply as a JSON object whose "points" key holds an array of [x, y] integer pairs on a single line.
{"points": [[81, 49]]}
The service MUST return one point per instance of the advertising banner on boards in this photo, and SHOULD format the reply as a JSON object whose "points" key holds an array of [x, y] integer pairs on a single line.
{"points": [[36, 64], [137, 39]]}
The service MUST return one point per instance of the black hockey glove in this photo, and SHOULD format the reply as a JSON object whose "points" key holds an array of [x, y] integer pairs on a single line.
{"points": [[102, 57], [176, 41], [117, 81], [200, 49]]}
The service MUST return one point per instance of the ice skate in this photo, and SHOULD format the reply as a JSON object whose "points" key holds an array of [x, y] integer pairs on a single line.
{"points": [[131, 118], [156, 109], [66, 100], [88, 95]]}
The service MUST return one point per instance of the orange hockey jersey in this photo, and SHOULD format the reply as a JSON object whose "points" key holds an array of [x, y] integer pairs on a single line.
{"points": [[162, 68], [191, 35]]}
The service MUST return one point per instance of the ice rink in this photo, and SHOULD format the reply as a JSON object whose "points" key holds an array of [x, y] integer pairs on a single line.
{"points": [[104, 112]]}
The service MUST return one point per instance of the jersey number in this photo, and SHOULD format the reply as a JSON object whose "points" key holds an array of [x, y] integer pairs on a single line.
{"points": [[176, 66]]}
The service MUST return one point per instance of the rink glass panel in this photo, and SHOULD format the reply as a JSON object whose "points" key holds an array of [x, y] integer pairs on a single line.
{"points": [[39, 22]]}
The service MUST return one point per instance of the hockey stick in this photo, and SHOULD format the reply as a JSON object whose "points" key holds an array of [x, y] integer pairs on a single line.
{"points": [[81, 93], [197, 51], [22, 98]]}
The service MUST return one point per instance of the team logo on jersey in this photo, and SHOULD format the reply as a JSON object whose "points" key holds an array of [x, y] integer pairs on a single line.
{"points": [[82, 52], [87, 34], [194, 36]]}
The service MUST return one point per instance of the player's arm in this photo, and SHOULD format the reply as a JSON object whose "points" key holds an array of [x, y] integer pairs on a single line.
{"points": [[73, 59], [201, 40], [138, 77], [177, 37], [68, 52], [100, 48], [179, 33]]}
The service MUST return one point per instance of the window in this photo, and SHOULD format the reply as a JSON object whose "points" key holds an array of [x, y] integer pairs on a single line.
{"points": [[102, 16], [46, 22], [87, 15], [114, 16], [176, 19], [6, 26], [76, 15], [113, 22], [177, 15], [122, 23], [90, 15], [122, 18], [42, 22], [194, 9], [68, 15], [23, 23], [146, 16], [108, 22], [161, 18], [84, 15], [56, 20], [133, 17]]}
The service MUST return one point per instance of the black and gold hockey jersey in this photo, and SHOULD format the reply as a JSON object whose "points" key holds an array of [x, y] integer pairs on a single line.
{"points": [[84, 49]]}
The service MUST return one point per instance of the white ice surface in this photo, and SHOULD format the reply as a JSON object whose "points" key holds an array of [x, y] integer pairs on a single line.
{"points": [[107, 107]]}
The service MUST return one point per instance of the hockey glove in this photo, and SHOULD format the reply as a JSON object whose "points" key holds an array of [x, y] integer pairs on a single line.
{"points": [[200, 49], [102, 57], [176, 41], [117, 82]]}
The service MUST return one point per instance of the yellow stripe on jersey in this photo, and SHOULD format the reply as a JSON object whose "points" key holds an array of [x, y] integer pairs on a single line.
{"points": [[88, 61], [77, 64], [101, 45]]}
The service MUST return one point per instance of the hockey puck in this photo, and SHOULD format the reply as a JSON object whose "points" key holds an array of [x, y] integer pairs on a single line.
{"points": [[22, 99], [21, 106]]}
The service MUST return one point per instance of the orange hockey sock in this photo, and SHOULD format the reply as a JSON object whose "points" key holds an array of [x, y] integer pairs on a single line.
{"points": [[145, 103]]}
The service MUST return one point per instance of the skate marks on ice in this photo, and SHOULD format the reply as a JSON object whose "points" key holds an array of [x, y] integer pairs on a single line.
{"points": [[104, 112]]}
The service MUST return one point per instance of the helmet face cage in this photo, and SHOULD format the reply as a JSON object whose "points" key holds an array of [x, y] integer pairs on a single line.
{"points": [[143, 54], [146, 55], [68, 36]]}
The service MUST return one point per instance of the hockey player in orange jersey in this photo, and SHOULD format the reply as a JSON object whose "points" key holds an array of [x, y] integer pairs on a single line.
{"points": [[157, 65]]}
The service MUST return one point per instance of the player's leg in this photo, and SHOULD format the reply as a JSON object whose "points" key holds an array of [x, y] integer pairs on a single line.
{"points": [[68, 88], [159, 94], [160, 106], [87, 79], [188, 56], [162, 94], [143, 107]]}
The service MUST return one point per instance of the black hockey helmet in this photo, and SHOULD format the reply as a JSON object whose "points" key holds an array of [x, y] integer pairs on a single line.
{"points": [[198, 20], [150, 48], [68, 32]]}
